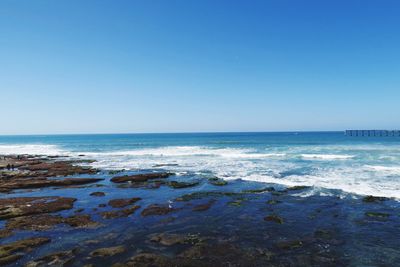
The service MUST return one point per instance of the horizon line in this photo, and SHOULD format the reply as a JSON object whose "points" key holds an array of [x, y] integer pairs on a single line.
{"points": [[194, 132]]}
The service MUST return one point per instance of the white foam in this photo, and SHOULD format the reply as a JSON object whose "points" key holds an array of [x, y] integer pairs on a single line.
{"points": [[181, 151], [361, 175], [326, 156], [384, 169], [33, 149]]}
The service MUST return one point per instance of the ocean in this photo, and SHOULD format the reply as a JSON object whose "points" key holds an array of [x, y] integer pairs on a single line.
{"points": [[330, 162], [286, 199]]}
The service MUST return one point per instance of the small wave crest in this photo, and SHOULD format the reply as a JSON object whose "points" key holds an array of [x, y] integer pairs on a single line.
{"points": [[33, 149], [181, 151], [326, 156]]}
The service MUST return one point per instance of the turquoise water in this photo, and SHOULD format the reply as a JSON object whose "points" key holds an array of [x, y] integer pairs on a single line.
{"points": [[324, 160]]}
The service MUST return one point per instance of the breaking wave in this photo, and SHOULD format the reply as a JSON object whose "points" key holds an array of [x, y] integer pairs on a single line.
{"points": [[374, 174]]}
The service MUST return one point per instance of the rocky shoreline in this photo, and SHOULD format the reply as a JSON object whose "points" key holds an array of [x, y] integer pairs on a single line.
{"points": [[57, 211]]}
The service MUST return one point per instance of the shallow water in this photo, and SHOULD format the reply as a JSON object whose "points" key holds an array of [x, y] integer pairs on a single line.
{"points": [[332, 230]]}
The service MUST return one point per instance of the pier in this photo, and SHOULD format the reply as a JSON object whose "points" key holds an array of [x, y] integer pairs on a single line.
{"points": [[373, 133]]}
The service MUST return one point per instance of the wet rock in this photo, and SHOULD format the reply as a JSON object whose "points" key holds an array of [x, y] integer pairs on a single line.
{"points": [[236, 203], [55, 259], [147, 260], [44, 222], [261, 190], [157, 210], [372, 199], [323, 234], [119, 213], [178, 185], [13, 251], [79, 210], [107, 252], [140, 177], [113, 172], [98, 194], [217, 181], [200, 195], [274, 218], [81, 221], [59, 168], [203, 207], [123, 202], [297, 187], [168, 239], [102, 205], [289, 244], [273, 202], [5, 233], [380, 215], [39, 222], [22, 206], [221, 254], [44, 182]]}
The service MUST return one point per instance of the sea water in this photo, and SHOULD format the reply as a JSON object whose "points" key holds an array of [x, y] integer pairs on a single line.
{"points": [[330, 162], [340, 170]]}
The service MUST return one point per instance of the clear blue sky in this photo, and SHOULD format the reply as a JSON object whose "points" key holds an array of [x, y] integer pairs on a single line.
{"points": [[79, 66]]}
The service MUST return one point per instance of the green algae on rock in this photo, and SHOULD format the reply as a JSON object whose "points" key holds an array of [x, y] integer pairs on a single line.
{"points": [[123, 202], [274, 218], [156, 209], [179, 185], [12, 252], [217, 181], [21, 206], [141, 177], [108, 251]]}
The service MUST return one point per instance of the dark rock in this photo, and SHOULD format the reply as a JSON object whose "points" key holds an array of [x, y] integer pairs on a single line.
{"points": [[42, 222], [44, 182], [381, 215], [119, 213], [273, 202], [323, 234], [372, 199], [297, 187], [113, 172], [221, 254], [178, 185], [217, 181], [22, 206], [203, 207], [200, 195], [261, 190], [12, 252], [236, 203], [5, 233], [123, 202], [290, 244], [55, 259], [81, 221], [168, 239], [148, 260], [157, 210], [274, 218], [140, 177], [98, 194], [107, 252], [39, 222]]}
